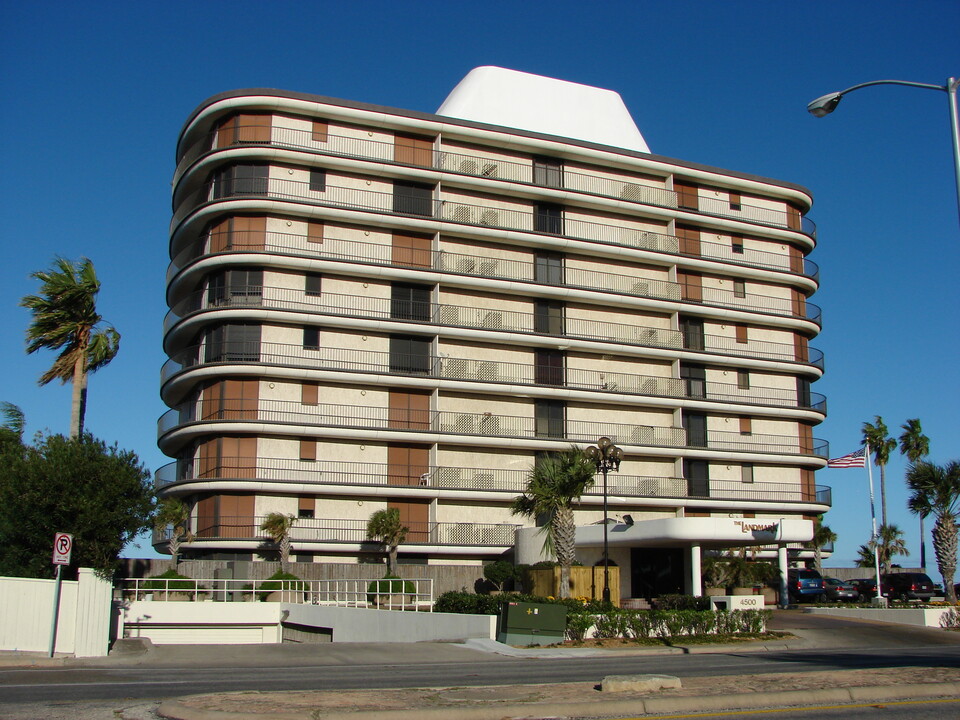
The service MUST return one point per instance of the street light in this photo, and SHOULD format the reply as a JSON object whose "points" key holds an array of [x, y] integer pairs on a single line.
{"points": [[826, 104], [606, 456]]}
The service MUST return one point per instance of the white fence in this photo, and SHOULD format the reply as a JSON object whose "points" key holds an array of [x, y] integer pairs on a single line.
{"points": [[83, 625], [414, 594]]}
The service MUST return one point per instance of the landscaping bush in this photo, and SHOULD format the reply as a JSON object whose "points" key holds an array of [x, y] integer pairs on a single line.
{"points": [[389, 585], [683, 602], [577, 626], [468, 603], [500, 573], [641, 625], [612, 624], [170, 581]]}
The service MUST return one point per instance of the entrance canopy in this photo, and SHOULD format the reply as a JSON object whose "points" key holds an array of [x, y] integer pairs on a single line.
{"points": [[706, 532]]}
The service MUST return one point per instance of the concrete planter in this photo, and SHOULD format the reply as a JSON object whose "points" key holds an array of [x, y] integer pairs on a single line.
{"points": [[921, 617]]}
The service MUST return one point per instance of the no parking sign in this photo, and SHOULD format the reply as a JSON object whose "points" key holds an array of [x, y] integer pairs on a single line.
{"points": [[62, 547]]}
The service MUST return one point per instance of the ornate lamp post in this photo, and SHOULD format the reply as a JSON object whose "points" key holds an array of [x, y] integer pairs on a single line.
{"points": [[606, 456]]}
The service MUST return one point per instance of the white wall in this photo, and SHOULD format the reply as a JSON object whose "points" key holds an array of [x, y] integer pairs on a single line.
{"points": [[83, 624]]}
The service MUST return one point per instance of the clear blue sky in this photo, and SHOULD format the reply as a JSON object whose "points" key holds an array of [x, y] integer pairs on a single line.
{"points": [[95, 94]]}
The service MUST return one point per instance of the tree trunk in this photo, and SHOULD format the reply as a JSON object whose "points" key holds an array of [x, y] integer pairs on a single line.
{"points": [[883, 495], [79, 393], [564, 543], [392, 560], [818, 559], [945, 550], [284, 553]]}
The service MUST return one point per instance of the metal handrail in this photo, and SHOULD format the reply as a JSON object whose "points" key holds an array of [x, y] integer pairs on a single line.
{"points": [[430, 478], [448, 422], [635, 191], [269, 297], [490, 371], [456, 211]]}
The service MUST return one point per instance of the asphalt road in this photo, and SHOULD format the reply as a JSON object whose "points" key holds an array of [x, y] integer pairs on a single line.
{"points": [[328, 667]]}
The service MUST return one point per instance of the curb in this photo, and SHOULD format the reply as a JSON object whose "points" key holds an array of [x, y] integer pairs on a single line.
{"points": [[176, 710]]}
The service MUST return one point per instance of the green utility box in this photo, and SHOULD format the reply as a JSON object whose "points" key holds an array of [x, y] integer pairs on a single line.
{"points": [[532, 623]]}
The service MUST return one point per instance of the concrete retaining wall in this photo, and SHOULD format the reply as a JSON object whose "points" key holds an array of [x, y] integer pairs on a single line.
{"points": [[166, 622], [923, 617]]}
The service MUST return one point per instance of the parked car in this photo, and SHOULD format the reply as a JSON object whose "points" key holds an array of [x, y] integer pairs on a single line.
{"points": [[867, 589], [909, 585], [840, 590], [805, 585]]}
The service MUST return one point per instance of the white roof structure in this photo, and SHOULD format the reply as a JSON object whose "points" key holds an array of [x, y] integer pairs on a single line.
{"points": [[515, 99]]}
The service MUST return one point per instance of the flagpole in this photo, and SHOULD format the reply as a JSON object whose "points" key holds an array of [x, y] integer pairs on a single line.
{"points": [[873, 522]]}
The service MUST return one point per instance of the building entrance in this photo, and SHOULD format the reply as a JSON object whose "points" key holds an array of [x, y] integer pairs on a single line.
{"points": [[657, 571]]}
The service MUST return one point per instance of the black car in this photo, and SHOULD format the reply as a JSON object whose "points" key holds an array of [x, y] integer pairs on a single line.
{"points": [[909, 586], [867, 589]]}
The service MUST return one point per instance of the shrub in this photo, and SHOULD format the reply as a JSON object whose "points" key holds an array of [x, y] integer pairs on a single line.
{"points": [[466, 603], [950, 620], [727, 622], [683, 602], [499, 573], [389, 585], [577, 626], [169, 580], [612, 624], [640, 625]]}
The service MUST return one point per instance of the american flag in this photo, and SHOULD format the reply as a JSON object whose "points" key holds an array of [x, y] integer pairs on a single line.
{"points": [[857, 459]]}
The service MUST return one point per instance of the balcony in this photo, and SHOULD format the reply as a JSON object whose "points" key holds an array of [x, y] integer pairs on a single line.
{"points": [[492, 371], [201, 412], [330, 530], [325, 473], [367, 306], [475, 215], [484, 167]]}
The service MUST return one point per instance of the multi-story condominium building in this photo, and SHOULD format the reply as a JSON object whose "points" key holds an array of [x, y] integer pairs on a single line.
{"points": [[373, 308]]}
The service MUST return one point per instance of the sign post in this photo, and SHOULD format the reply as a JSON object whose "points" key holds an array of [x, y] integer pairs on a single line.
{"points": [[62, 549]]}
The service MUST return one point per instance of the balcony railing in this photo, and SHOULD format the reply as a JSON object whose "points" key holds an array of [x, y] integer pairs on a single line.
{"points": [[367, 306], [477, 215], [327, 472], [493, 371], [331, 530], [479, 166], [474, 424]]}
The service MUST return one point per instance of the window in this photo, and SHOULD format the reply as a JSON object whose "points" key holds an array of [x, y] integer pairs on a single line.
{"points": [[308, 450], [803, 392], [549, 418], [746, 426], [244, 128], [548, 369], [410, 302], [736, 245], [743, 379], [547, 172], [311, 338], [306, 508], [548, 268], [692, 330], [319, 130], [739, 288], [310, 393], [233, 343], [695, 424], [548, 317], [239, 286], [695, 379], [318, 180], [311, 284], [412, 198], [697, 473], [413, 150], [734, 201], [746, 473], [741, 331], [241, 180], [548, 218], [410, 354]]}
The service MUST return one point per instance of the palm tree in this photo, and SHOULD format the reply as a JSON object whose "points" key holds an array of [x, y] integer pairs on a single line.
{"points": [[385, 527], [875, 435], [554, 484], [277, 526], [936, 490], [14, 422], [822, 536], [915, 445], [175, 514], [890, 545], [65, 318]]}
